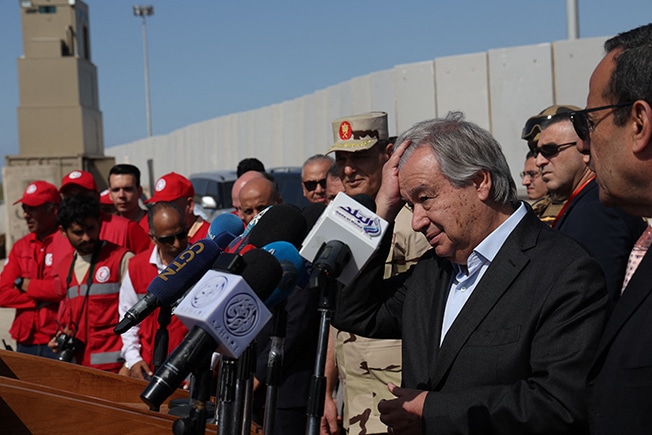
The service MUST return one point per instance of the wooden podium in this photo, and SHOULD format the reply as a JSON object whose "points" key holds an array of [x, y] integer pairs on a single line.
{"points": [[45, 396]]}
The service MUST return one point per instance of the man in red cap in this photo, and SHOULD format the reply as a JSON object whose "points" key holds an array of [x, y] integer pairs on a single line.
{"points": [[27, 281], [178, 189], [115, 229]]}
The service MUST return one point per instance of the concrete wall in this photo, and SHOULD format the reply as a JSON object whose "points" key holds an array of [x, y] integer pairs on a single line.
{"points": [[498, 90]]}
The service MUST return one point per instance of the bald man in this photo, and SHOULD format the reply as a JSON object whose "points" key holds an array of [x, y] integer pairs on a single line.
{"points": [[237, 186], [255, 196]]}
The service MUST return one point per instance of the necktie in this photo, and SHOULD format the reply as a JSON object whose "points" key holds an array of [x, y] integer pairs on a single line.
{"points": [[638, 252]]}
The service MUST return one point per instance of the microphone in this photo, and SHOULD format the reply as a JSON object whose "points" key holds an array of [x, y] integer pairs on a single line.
{"points": [[312, 212], [225, 222], [294, 271], [228, 306], [345, 218], [282, 222], [331, 260], [222, 311], [175, 280]]}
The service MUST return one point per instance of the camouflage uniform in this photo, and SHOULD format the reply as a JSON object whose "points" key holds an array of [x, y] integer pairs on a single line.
{"points": [[365, 365], [547, 209]]}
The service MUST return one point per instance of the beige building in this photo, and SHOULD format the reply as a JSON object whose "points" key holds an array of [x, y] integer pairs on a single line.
{"points": [[59, 118]]}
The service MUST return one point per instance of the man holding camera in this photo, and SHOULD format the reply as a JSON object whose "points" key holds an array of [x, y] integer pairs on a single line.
{"points": [[92, 274]]}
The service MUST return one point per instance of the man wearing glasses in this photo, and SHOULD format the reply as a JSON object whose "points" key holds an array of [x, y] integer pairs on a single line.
{"points": [[314, 176], [170, 237], [537, 192], [608, 234], [550, 205], [617, 132]]}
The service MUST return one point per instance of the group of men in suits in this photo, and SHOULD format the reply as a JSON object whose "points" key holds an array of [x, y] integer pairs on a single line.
{"points": [[505, 323]]}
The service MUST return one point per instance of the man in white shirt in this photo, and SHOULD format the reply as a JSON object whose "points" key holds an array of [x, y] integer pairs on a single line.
{"points": [[170, 237]]}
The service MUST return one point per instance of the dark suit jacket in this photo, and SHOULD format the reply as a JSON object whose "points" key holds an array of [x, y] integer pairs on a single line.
{"points": [[515, 359], [607, 233], [300, 350], [620, 381]]}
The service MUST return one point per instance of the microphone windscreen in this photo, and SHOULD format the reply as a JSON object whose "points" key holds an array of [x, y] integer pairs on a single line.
{"points": [[312, 213], [184, 271], [366, 200], [294, 271], [281, 222], [226, 222], [261, 271], [223, 239]]}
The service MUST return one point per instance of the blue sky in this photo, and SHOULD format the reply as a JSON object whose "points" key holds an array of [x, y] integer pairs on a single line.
{"points": [[209, 58]]}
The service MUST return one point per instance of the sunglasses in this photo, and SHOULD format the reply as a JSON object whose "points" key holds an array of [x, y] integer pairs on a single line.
{"points": [[530, 174], [583, 125], [551, 149], [168, 240], [311, 185]]}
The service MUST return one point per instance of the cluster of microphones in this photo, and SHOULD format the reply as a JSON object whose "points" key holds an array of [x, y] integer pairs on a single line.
{"points": [[223, 287]]}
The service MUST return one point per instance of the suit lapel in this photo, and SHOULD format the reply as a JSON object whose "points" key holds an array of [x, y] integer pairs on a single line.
{"points": [[507, 265], [438, 307], [637, 290]]}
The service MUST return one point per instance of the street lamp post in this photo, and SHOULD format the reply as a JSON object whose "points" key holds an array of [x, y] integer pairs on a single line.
{"points": [[144, 11]]}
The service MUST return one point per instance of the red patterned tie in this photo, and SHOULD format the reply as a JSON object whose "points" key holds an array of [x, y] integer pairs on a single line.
{"points": [[637, 254]]}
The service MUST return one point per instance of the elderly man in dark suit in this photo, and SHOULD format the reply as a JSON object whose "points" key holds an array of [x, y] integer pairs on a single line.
{"points": [[500, 319], [617, 131]]}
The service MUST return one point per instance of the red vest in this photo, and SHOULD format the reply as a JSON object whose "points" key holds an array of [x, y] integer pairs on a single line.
{"points": [[142, 272], [102, 346], [201, 233]]}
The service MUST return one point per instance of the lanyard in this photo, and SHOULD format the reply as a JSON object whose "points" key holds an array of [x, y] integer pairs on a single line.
{"points": [[89, 280], [572, 197]]}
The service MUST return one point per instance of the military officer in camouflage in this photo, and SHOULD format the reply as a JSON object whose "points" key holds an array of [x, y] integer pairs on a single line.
{"points": [[365, 366]]}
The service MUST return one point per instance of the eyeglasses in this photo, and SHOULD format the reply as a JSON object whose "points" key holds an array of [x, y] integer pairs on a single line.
{"points": [[311, 185], [551, 149], [530, 174], [583, 125], [168, 240]]}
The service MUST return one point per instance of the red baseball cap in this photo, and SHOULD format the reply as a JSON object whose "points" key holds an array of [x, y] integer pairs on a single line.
{"points": [[105, 198], [79, 178], [171, 187], [39, 193]]}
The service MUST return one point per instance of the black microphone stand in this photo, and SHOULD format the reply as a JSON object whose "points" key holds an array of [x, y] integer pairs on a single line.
{"points": [[274, 367], [328, 265], [226, 396], [195, 423], [162, 339], [244, 386], [327, 286]]}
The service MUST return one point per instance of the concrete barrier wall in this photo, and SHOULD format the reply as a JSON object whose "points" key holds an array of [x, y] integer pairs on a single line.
{"points": [[498, 90]]}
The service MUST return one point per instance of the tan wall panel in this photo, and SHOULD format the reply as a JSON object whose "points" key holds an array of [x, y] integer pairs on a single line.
{"points": [[414, 93]]}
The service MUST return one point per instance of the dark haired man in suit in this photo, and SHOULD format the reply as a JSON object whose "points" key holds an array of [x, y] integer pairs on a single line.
{"points": [[617, 131]]}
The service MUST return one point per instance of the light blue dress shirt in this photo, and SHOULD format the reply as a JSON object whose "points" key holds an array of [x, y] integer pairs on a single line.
{"points": [[467, 277]]}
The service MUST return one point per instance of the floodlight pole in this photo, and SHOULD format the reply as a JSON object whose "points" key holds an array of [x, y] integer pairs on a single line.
{"points": [[145, 11]]}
